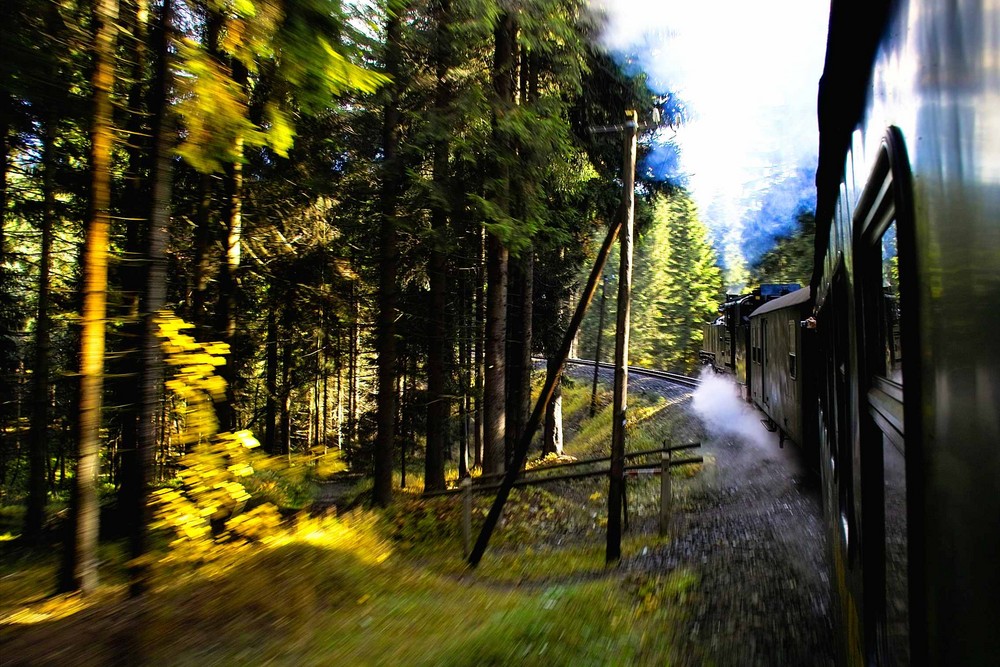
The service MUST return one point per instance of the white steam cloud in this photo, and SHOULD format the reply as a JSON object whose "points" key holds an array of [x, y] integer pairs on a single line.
{"points": [[748, 72], [717, 403]]}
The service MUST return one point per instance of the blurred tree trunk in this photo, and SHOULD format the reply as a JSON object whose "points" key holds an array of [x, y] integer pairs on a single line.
{"points": [[479, 329], [201, 268], [7, 386], [392, 185], [83, 537], [6, 107], [229, 276], [271, 381], [494, 390], [519, 314], [338, 356], [203, 236], [352, 371], [285, 335], [438, 402], [465, 363], [135, 208], [155, 294], [34, 517]]}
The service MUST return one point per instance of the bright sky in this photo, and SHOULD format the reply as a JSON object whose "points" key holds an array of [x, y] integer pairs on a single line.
{"points": [[748, 72]]}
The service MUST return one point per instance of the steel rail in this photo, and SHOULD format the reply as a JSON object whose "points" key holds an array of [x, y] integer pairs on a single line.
{"points": [[676, 378]]}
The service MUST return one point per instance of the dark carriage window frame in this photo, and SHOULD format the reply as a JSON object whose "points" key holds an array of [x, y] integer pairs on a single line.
{"points": [[887, 200]]}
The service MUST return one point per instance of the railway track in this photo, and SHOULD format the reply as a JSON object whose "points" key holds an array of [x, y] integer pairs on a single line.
{"points": [[635, 370]]}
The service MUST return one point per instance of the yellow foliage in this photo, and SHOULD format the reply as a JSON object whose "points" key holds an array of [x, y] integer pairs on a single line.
{"points": [[207, 502]]}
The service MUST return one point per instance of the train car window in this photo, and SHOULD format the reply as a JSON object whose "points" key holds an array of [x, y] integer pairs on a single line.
{"points": [[793, 340], [763, 357], [889, 308], [883, 220]]}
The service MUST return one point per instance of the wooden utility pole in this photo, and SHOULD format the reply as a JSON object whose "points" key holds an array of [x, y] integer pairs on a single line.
{"points": [[548, 389], [616, 480]]}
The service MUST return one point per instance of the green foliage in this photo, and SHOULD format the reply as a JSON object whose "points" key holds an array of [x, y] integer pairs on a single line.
{"points": [[791, 258], [676, 286], [296, 66]]}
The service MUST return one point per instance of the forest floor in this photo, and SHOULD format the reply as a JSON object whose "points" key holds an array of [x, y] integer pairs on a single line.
{"points": [[739, 579]]}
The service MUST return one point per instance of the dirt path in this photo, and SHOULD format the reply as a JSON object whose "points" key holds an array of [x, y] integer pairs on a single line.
{"points": [[750, 527]]}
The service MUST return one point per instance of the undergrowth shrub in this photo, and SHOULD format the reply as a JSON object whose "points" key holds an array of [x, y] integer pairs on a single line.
{"points": [[207, 500]]}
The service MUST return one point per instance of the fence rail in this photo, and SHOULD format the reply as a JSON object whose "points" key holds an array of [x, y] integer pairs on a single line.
{"points": [[570, 464]]}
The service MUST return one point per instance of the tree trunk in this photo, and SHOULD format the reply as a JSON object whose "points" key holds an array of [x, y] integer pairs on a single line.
{"points": [[7, 387], [494, 390], [465, 376], [38, 454], [552, 440], [392, 185], [519, 350], [438, 406], [202, 264], [285, 335], [229, 279], [6, 108], [352, 372], [271, 380], [150, 375], [95, 283], [325, 388], [203, 235], [480, 338], [132, 270], [339, 368], [597, 348]]}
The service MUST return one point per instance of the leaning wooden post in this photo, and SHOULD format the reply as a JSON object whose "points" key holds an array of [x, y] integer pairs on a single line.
{"points": [[664, 492], [466, 516], [521, 450]]}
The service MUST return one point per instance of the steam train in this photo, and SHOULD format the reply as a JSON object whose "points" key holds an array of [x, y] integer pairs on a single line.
{"points": [[886, 369]]}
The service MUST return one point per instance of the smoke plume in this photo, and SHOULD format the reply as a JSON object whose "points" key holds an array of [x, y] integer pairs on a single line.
{"points": [[717, 403]]}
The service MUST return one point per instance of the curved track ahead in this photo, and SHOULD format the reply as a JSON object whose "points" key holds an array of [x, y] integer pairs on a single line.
{"points": [[682, 380], [749, 529]]}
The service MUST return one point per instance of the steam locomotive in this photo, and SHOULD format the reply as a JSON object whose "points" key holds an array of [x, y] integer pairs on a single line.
{"points": [[886, 370]]}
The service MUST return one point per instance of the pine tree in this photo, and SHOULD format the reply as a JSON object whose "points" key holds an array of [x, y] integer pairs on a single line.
{"points": [[678, 286]]}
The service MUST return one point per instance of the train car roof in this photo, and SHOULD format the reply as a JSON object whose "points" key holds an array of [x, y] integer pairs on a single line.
{"points": [[856, 27], [793, 299]]}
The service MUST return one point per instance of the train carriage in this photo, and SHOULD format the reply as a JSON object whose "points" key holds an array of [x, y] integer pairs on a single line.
{"points": [[906, 288], [726, 342], [782, 358]]}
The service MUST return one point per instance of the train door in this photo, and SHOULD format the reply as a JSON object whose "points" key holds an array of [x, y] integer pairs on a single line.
{"points": [[883, 228]]}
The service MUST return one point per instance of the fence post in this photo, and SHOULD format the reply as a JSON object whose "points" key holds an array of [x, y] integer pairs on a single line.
{"points": [[664, 492], [466, 516]]}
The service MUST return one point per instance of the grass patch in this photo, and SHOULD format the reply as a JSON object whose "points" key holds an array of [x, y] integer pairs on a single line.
{"points": [[334, 590], [381, 587]]}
